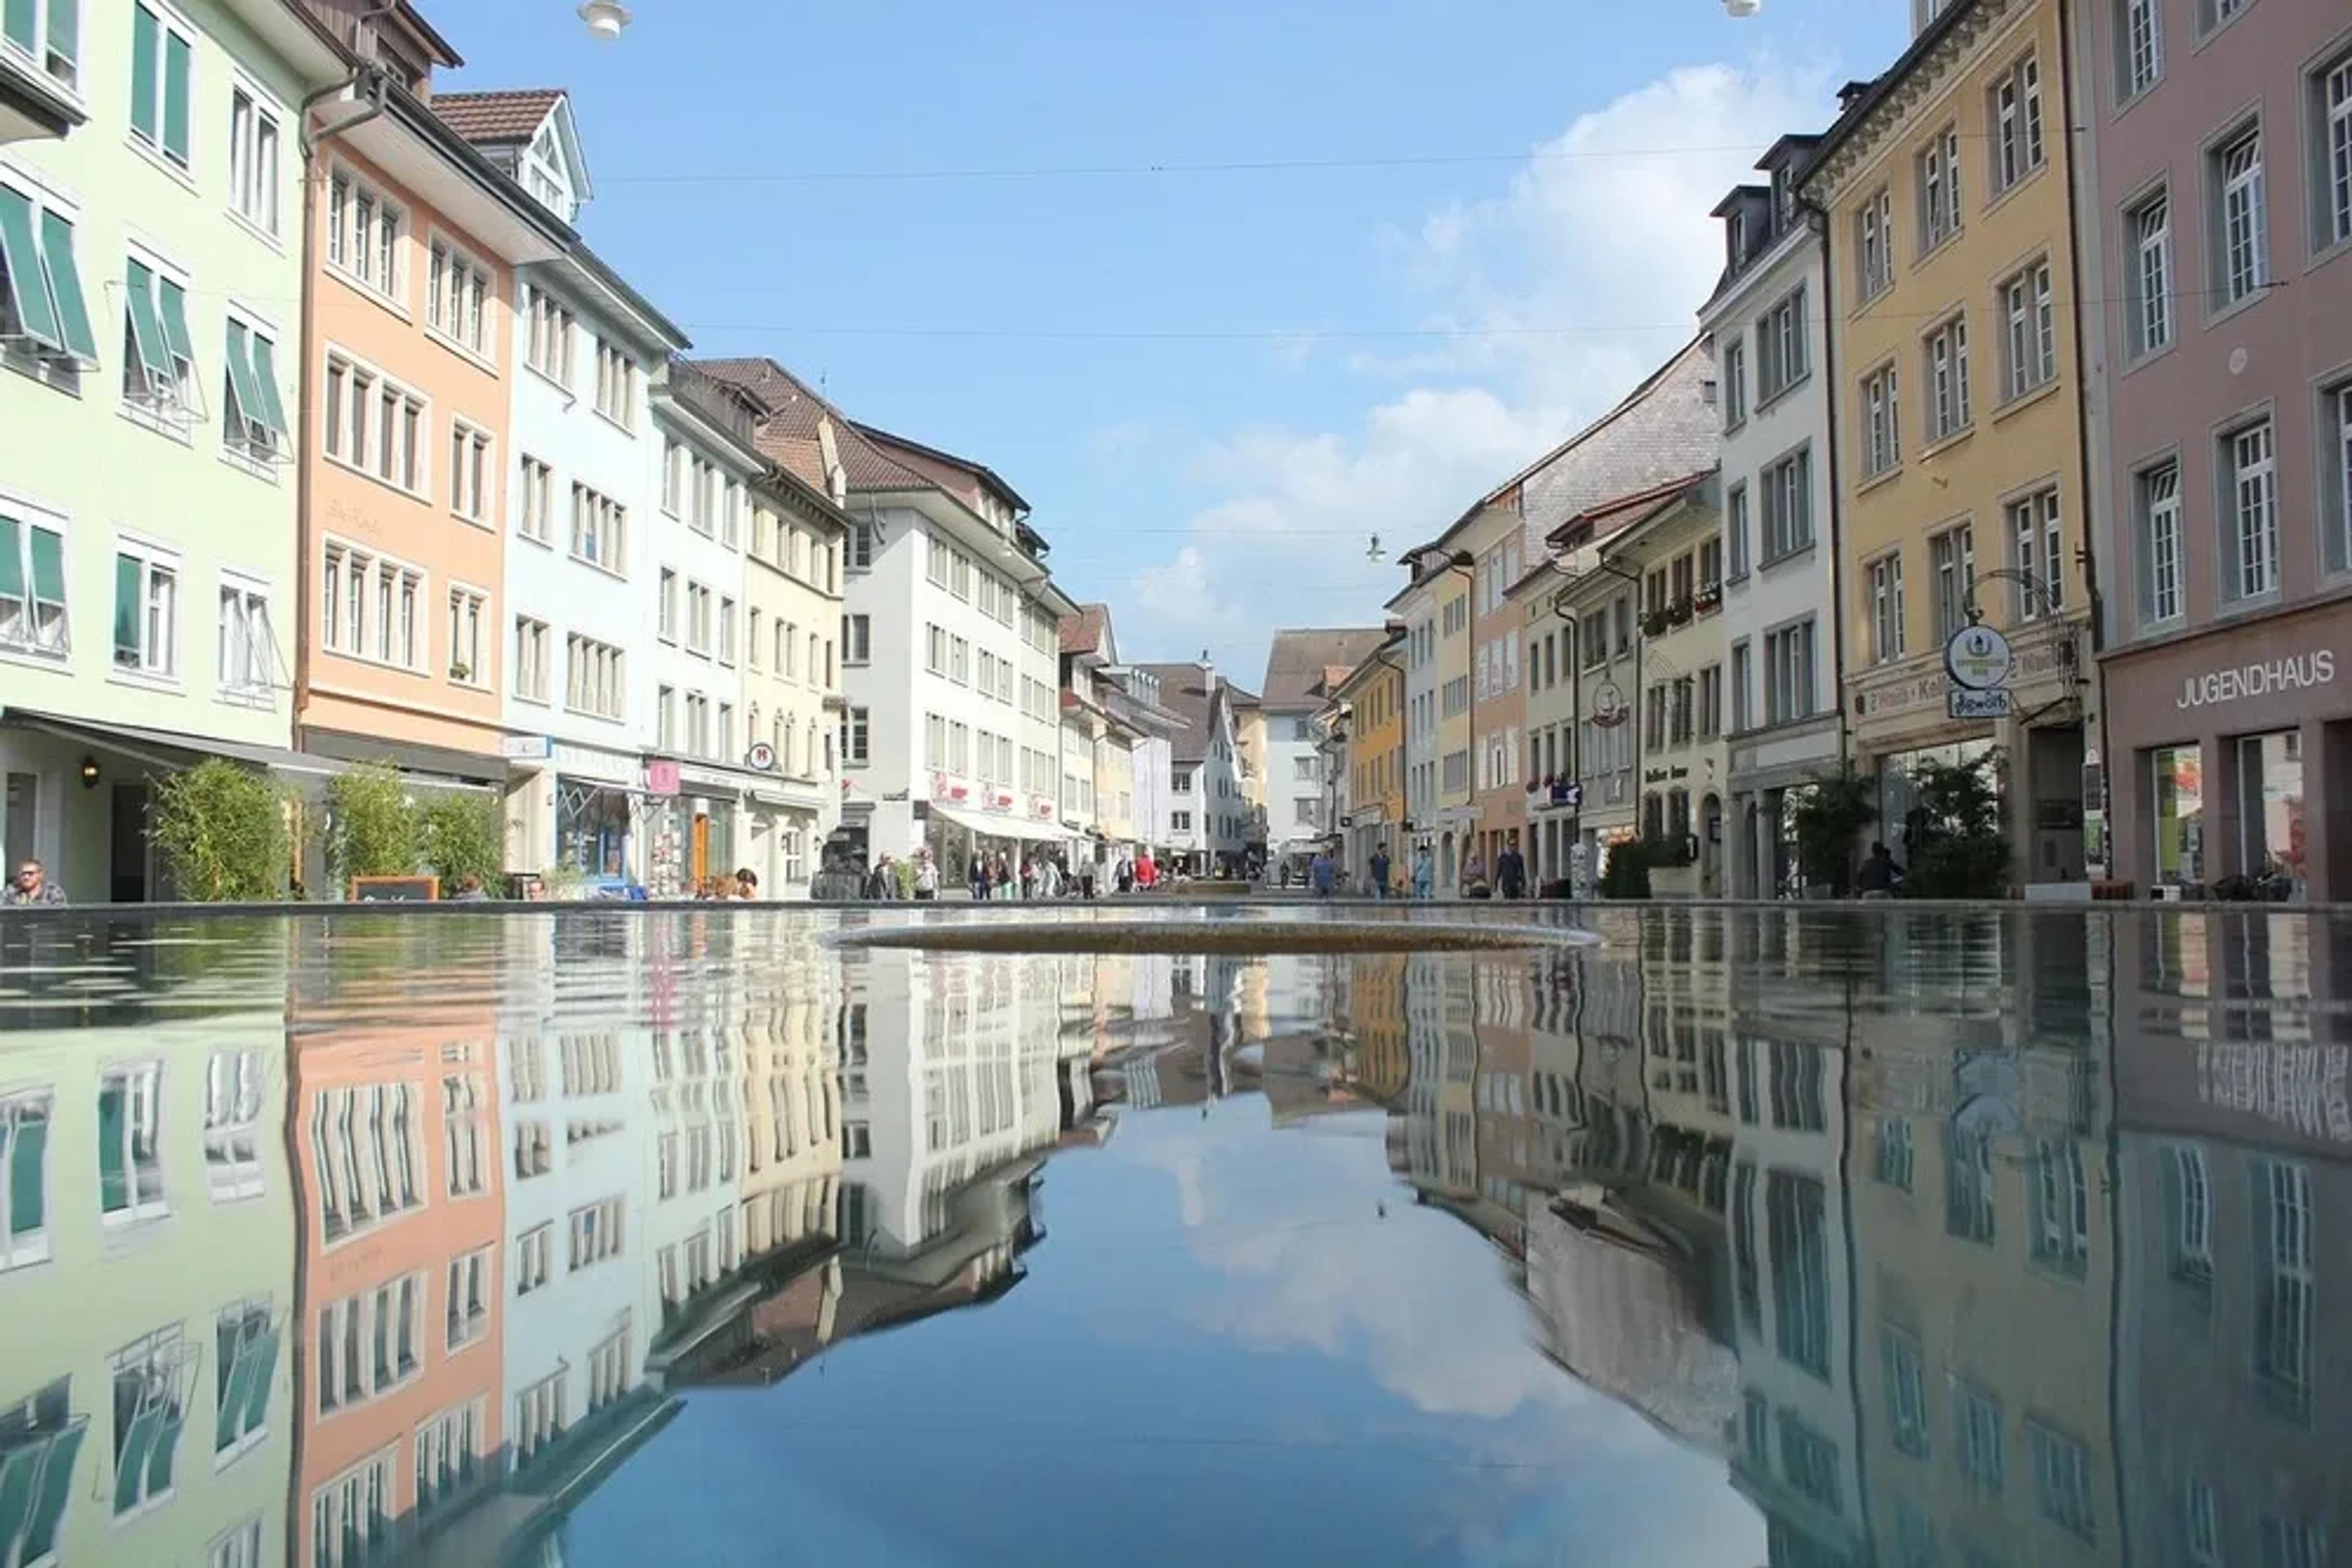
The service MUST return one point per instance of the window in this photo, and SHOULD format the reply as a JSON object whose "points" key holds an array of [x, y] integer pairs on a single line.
{"points": [[1947, 379], [2157, 507], [248, 648], [1742, 660], [855, 727], [535, 519], [152, 1379], [24, 1120], [1734, 371], [458, 298], [2038, 552], [1976, 1433], [861, 545], [2243, 220], [616, 384], [595, 1231], [370, 607], [725, 630], [1939, 188], [2062, 1480], [41, 304], [1789, 673], [594, 678], [374, 424], [1788, 487], [1885, 609], [547, 340], [2029, 322], [33, 586], [253, 141], [159, 358], [2140, 48], [960, 661], [252, 416], [2016, 117], [45, 33], [468, 613], [162, 57], [666, 718], [935, 567], [1875, 245], [2334, 488], [534, 1250], [2331, 172], [240, 1546], [1953, 553], [146, 610], [1882, 423], [448, 1454], [365, 1139], [2148, 286], [530, 660], [2060, 1199], [2249, 510], [609, 1367], [363, 235], [857, 639], [469, 1298], [1181, 821], [2286, 1295], [370, 1343], [698, 619], [539, 1418], [469, 473], [350, 1516], [1808, 1461], [599, 529], [1735, 528], [1710, 701], [1780, 346]]}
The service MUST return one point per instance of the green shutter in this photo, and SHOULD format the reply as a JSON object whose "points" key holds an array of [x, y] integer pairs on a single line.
{"points": [[131, 1462], [127, 617], [265, 375], [176, 98], [176, 337], [264, 1352], [12, 576], [56, 1490], [20, 262], [49, 567], [65, 287], [165, 1451], [146, 327], [240, 376], [28, 1203], [230, 1415], [19, 1469], [65, 29], [113, 1182], [18, 22], [145, 36]]}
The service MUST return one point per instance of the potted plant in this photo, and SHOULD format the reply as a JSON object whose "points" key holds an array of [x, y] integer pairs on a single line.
{"points": [[222, 830], [1654, 623], [1679, 612], [1709, 599], [1957, 848], [460, 670]]}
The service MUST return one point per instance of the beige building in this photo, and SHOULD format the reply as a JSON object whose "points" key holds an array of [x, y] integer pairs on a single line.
{"points": [[1677, 550]]}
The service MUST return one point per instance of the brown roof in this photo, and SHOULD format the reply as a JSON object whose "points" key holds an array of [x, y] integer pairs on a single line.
{"points": [[1301, 660], [789, 434], [1614, 517], [1083, 633], [497, 118], [1185, 691]]}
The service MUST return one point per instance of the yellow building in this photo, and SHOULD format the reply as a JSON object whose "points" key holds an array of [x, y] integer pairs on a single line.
{"points": [[1374, 693], [1960, 473]]}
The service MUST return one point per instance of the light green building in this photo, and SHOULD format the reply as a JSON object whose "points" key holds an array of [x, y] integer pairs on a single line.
{"points": [[151, 323], [147, 1245]]}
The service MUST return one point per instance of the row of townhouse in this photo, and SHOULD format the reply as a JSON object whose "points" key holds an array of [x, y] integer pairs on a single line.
{"points": [[2045, 334], [287, 332]]}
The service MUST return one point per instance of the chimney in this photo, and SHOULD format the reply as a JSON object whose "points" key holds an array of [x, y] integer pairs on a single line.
{"points": [[1850, 93]]}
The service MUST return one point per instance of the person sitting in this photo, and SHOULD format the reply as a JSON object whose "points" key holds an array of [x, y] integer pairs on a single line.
{"points": [[1880, 876], [32, 885], [747, 883]]}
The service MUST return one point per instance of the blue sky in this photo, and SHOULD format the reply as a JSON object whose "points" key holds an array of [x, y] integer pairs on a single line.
{"points": [[1211, 383]]}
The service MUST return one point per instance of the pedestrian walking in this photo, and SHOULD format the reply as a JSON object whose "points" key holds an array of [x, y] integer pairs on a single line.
{"points": [[1424, 874], [926, 875], [1511, 871], [1380, 870]]}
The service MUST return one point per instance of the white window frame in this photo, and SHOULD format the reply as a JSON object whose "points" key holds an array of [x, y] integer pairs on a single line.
{"points": [[45, 57], [2014, 122], [533, 641], [168, 408], [2156, 507], [156, 561], [2243, 552], [247, 639], [2037, 547], [595, 678], [169, 23], [616, 386], [473, 482], [1882, 578], [359, 255], [18, 1108], [603, 523], [2139, 45], [23, 634], [255, 160], [410, 586], [535, 501], [1941, 188], [1882, 422], [471, 614], [2148, 238], [2029, 330], [2331, 171], [546, 326], [356, 436], [385, 1308], [2241, 254], [1949, 408], [461, 298], [1874, 245]]}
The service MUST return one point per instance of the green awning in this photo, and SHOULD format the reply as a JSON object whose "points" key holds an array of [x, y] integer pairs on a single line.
{"points": [[145, 38], [114, 1183], [65, 29], [49, 567], [20, 21], [240, 375], [165, 1451], [65, 286], [21, 259], [130, 1464], [28, 1203], [57, 1491], [176, 62], [12, 560], [126, 651], [20, 1469], [176, 336], [146, 329], [265, 372]]}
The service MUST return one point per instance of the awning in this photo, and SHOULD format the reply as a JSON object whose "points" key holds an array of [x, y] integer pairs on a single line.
{"points": [[996, 827], [428, 765], [165, 750]]}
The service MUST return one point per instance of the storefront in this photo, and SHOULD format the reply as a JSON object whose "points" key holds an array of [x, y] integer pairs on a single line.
{"points": [[2217, 746], [574, 809], [694, 826], [1769, 773], [960, 834]]}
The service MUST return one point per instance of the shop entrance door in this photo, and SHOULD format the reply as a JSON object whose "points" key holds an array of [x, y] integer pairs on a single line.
{"points": [[700, 857]]}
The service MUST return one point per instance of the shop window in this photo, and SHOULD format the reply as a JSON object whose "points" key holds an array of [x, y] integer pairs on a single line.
{"points": [[2270, 809], [2179, 815]]}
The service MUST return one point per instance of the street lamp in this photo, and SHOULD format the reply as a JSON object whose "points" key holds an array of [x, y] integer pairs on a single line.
{"points": [[1373, 552], [605, 18], [1742, 8]]}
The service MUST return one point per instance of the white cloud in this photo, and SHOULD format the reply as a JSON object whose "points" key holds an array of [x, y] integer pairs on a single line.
{"points": [[1599, 232]]}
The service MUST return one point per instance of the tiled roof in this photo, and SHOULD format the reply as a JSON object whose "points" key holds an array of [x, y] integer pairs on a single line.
{"points": [[1083, 633], [1302, 659], [791, 429], [1185, 691], [497, 118]]}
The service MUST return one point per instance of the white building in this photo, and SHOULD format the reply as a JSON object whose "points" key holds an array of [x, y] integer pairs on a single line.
{"points": [[1154, 756], [1416, 607], [1209, 810], [579, 567], [1303, 667], [1766, 325]]}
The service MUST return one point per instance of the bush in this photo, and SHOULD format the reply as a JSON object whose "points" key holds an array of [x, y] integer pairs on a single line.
{"points": [[1957, 848], [1829, 816], [1628, 875], [463, 835], [372, 827], [221, 829]]}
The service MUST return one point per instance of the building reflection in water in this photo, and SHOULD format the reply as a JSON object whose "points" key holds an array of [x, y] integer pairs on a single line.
{"points": [[1957, 1239]]}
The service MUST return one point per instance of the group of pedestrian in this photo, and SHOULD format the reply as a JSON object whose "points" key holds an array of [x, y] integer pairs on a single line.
{"points": [[744, 886]]}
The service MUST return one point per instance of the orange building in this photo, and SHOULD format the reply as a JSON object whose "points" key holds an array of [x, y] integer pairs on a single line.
{"points": [[409, 339], [399, 1276]]}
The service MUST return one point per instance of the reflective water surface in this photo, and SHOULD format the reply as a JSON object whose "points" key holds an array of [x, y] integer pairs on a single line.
{"points": [[1789, 1237]]}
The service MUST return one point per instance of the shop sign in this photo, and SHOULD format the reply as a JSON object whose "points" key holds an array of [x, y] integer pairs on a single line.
{"points": [[594, 762], [1977, 657], [1041, 807], [1959, 702], [708, 778], [1608, 705], [761, 758], [999, 800], [2277, 676], [525, 748], [661, 779], [945, 788]]}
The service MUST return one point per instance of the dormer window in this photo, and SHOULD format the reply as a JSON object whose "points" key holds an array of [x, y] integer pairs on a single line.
{"points": [[1734, 238], [1784, 201], [544, 174]]}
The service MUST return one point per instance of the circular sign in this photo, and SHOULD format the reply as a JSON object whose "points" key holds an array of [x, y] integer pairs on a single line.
{"points": [[764, 756], [1608, 705], [1978, 658]]}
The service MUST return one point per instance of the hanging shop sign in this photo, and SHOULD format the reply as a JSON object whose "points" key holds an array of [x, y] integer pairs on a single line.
{"points": [[1978, 658], [1959, 702], [1608, 705], [661, 779], [761, 758]]}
